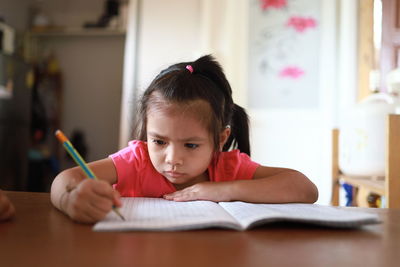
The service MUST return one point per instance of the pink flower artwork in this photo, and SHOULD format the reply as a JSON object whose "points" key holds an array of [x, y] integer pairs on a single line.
{"points": [[300, 24], [267, 4], [292, 72]]}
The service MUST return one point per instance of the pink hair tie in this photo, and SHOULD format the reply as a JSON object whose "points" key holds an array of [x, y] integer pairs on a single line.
{"points": [[189, 68]]}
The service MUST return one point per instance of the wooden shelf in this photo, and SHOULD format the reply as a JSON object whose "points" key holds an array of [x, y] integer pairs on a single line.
{"points": [[78, 32], [36, 37], [371, 184]]}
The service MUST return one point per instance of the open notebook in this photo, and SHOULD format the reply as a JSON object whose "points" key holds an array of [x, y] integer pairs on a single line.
{"points": [[157, 214]]}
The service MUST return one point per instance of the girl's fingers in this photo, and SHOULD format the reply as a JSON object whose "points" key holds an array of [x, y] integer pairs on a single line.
{"points": [[171, 196], [183, 195], [94, 212], [104, 201], [104, 189], [3, 202], [101, 203], [92, 200], [7, 211], [88, 214], [117, 198], [87, 217]]}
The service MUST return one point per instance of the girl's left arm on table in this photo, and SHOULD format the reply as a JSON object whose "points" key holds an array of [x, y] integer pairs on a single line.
{"points": [[275, 185], [269, 185]]}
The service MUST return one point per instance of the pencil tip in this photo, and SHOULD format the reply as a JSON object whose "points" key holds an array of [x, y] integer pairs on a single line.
{"points": [[116, 210]]}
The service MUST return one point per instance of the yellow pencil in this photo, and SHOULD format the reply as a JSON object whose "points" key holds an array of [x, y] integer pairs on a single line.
{"points": [[80, 161]]}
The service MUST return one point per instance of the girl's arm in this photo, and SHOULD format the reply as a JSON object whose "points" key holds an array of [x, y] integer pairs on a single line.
{"points": [[275, 185], [82, 199], [269, 185]]}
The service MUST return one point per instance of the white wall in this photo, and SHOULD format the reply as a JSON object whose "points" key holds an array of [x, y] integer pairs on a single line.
{"points": [[224, 33], [168, 34]]}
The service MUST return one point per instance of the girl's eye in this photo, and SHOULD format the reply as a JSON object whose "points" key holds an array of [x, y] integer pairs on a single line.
{"points": [[158, 142], [191, 146]]}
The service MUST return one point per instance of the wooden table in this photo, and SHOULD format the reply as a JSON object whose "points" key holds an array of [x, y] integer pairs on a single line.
{"points": [[40, 235]]}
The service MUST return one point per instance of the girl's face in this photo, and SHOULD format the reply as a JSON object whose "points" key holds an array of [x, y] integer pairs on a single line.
{"points": [[180, 146]]}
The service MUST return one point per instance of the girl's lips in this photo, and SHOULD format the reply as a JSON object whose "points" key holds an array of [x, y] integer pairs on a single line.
{"points": [[174, 174]]}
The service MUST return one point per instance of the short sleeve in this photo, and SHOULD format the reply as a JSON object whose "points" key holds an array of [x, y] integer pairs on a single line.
{"points": [[232, 165], [136, 176], [129, 162]]}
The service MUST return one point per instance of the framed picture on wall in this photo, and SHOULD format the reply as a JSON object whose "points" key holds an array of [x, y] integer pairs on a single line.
{"points": [[284, 42]]}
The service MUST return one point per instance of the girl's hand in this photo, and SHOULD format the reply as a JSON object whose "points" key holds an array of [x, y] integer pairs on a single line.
{"points": [[7, 209], [91, 200], [212, 191]]}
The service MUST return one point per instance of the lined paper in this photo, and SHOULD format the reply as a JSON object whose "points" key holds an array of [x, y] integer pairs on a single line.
{"points": [[157, 214], [161, 214], [249, 214]]}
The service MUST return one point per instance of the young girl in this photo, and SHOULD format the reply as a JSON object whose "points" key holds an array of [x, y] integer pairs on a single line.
{"points": [[7, 209], [192, 143]]}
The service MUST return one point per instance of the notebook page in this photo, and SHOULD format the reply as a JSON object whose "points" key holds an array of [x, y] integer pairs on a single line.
{"points": [[249, 214], [160, 214]]}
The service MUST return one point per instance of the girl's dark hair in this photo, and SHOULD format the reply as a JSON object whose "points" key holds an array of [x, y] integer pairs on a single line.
{"points": [[207, 82]]}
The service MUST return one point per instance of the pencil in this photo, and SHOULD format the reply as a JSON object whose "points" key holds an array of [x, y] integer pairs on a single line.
{"points": [[80, 161]]}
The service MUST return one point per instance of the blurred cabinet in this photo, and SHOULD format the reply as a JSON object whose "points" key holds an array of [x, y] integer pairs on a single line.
{"points": [[389, 187], [90, 63], [15, 117], [46, 112]]}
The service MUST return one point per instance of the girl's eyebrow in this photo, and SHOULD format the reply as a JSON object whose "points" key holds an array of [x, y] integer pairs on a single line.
{"points": [[156, 135], [194, 138]]}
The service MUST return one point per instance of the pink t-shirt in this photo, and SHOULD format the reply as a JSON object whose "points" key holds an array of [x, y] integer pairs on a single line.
{"points": [[138, 178]]}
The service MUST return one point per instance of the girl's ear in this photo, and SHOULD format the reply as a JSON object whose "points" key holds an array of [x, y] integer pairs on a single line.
{"points": [[223, 137]]}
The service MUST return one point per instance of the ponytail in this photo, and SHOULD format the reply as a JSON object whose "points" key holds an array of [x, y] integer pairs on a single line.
{"points": [[239, 137]]}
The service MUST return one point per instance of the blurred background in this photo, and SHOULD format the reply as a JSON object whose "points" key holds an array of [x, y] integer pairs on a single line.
{"points": [[299, 67]]}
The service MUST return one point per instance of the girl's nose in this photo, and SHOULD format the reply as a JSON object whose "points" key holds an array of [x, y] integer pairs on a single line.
{"points": [[173, 156]]}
